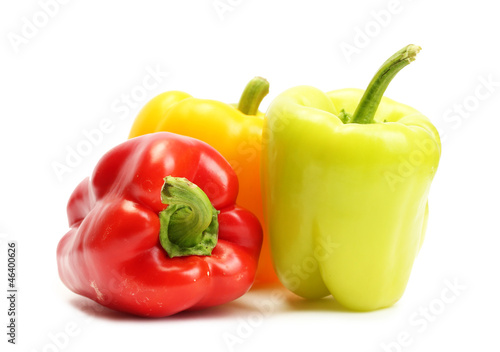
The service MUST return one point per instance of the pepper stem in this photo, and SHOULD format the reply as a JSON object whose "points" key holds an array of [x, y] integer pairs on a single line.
{"points": [[367, 107], [189, 225], [252, 96]]}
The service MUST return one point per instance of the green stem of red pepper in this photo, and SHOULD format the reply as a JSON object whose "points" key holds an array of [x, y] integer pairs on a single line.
{"points": [[252, 96], [189, 225], [367, 107]]}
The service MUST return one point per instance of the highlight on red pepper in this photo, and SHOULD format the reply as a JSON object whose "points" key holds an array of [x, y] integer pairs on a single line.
{"points": [[156, 231]]}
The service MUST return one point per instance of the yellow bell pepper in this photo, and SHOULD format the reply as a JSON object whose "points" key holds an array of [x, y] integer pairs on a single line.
{"points": [[236, 132]]}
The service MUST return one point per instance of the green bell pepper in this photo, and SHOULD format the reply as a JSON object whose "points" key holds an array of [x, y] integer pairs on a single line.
{"points": [[346, 177]]}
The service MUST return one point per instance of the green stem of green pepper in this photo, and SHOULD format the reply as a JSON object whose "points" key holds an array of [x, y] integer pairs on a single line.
{"points": [[367, 107], [189, 225], [252, 96]]}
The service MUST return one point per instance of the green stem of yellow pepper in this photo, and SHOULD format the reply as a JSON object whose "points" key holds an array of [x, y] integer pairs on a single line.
{"points": [[253, 94], [367, 107]]}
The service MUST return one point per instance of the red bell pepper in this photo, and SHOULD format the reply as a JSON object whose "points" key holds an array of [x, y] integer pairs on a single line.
{"points": [[147, 241]]}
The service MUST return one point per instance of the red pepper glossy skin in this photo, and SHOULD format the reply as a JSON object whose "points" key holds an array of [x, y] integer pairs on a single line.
{"points": [[112, 253]]}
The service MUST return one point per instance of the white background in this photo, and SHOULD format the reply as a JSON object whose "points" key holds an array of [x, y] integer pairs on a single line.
{"points": [[75, 68]]}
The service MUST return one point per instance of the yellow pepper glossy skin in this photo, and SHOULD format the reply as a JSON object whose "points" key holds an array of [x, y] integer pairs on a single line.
{"points": [[234, 134], [346, 202]]}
